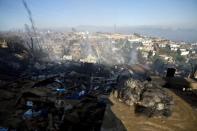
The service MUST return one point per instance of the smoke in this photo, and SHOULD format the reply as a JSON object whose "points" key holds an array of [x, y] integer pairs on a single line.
{"points": [[133, 56], [87, 49], [57, 45], [116, 53], [104, 50]]}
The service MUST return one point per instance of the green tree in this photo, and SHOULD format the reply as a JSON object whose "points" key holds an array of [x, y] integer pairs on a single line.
{"points": [[158, 65], [178, 51], [179, 58], [150, 53], [167, 49]]}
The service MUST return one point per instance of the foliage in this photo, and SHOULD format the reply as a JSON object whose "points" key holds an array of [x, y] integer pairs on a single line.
{"points": [[158, 64], [179, 58], [150, 53]]}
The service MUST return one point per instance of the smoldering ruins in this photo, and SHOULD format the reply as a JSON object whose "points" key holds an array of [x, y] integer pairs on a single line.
{"points": [[61, 92], [92, 81], [74, 96]]}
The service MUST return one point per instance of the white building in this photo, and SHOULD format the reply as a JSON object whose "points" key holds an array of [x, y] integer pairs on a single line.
{"points": [[162, 45], [174, 47], [67, 57], [145, 54], [167, 58], [183, 53], [89, 59]]}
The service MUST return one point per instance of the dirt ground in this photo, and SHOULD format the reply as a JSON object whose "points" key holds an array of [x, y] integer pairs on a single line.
{"points": [[120, 117]]}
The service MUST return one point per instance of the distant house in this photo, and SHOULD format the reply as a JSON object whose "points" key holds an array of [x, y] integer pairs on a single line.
{"points": [[174, 47], [167, 58], [145, 54], [89, 59], [162, 45], [193, 52], [135, 40], [184, 53], [182, 50], [148, 46], [67, 57]]}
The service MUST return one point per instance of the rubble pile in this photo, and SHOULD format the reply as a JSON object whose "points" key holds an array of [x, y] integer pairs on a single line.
{"points": [[39, 113], [87, 115], [76, 99], [147, 97], [72, 101], [39, 109]]}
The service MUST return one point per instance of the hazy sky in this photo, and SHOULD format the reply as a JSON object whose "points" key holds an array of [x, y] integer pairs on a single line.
{"points": [[60, 13]]}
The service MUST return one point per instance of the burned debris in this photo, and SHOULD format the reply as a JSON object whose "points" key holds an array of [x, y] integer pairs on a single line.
{"points": [[147, 97], [62, 79], [77, 98], [68, 101]]}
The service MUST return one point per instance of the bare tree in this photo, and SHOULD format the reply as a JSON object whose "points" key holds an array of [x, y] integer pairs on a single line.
{"points": [[34, 44]]}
